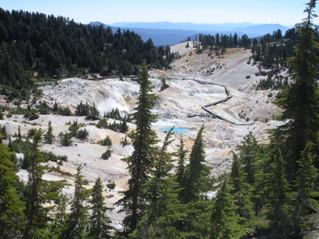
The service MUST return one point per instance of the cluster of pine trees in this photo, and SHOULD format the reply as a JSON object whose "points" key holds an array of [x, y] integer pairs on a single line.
{"points": [[273, 50], [56, 46], [38, 208], [224, 40]]}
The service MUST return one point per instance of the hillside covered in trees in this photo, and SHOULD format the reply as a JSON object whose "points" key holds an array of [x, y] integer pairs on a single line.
{"points": [[34, 44], [271, 52]]}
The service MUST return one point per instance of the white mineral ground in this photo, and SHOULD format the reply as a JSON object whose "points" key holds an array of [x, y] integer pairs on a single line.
{"points": [[184, 97]]}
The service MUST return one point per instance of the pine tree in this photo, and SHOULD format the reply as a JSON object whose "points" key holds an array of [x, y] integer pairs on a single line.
{"points": [[11, 205], [279, 197], [99, 223], [19, 134], [235, 40], [300, 101], [242, 193], [65, 139], [48, 137], [162, 167], [225, 220], [248, 154], [124, 126], [82, 109], [166, 218], [197, 171], [38, 193], [55, 107], [306, 204], [2, 136], [93, 113], [180, 172], [56, 227], [164, 211], [75, 226], [140, 162]]}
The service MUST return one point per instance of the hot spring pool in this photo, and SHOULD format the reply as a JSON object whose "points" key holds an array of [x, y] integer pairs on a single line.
{"points": [[176, 130]]}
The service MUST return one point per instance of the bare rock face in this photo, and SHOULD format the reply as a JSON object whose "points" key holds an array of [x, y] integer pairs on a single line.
{"points": [[106, 94]]}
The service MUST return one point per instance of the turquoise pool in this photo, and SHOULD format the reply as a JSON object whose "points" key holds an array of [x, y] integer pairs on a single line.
{"points": [[176, 130]]}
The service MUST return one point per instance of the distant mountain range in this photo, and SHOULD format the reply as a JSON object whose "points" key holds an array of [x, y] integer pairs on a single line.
{"points": [[168, 33]]}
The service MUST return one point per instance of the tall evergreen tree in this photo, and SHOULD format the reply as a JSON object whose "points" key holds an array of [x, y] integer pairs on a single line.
{"points": [[11, 205], [197, 171], [306, 203], [165, 215], [248, 154], [225, 220], [38, 193], [56, 227], [242, 193], [180, 171], [48, 137], [300, 101], [99, 223], [141, 161], [76, 223], [279, 207], [124, 126]]}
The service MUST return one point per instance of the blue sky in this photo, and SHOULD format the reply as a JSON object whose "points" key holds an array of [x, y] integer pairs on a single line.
{"points": [[286, 12]]}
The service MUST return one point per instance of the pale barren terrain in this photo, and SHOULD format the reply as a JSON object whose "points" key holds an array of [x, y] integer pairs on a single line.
{"points": [[180, 105]]}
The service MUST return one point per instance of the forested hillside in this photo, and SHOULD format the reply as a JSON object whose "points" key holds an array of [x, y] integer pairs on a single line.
{"points": [[33, 44], [271, 52]]}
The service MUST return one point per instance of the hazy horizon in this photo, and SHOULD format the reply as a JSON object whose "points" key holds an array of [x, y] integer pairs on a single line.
{"points": [[198, 23], [143, 11]]}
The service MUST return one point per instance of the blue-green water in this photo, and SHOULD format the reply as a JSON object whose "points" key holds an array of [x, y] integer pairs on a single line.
{"points": [[176, 130]]}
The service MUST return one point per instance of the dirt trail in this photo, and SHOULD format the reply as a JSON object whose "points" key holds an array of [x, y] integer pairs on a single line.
{"points": [[206, 107]]}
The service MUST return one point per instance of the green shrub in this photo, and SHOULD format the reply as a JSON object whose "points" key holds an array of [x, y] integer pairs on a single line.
{"points": [[65, 139], [74, 127], [90, 111], [3, 133], [1, 114], [106, 142], [31, 132], [110, 185], [107, 154], [48, 137], [64, 111], [121, 127], [93, 113], [82, 134], [31, 114], [43, 108], [113, 114], [48, 156], [102, 124], [60, 110], [124, 142]]}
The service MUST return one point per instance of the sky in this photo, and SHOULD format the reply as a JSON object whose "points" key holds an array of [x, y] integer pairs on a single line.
{"points": [[286, 12]]}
